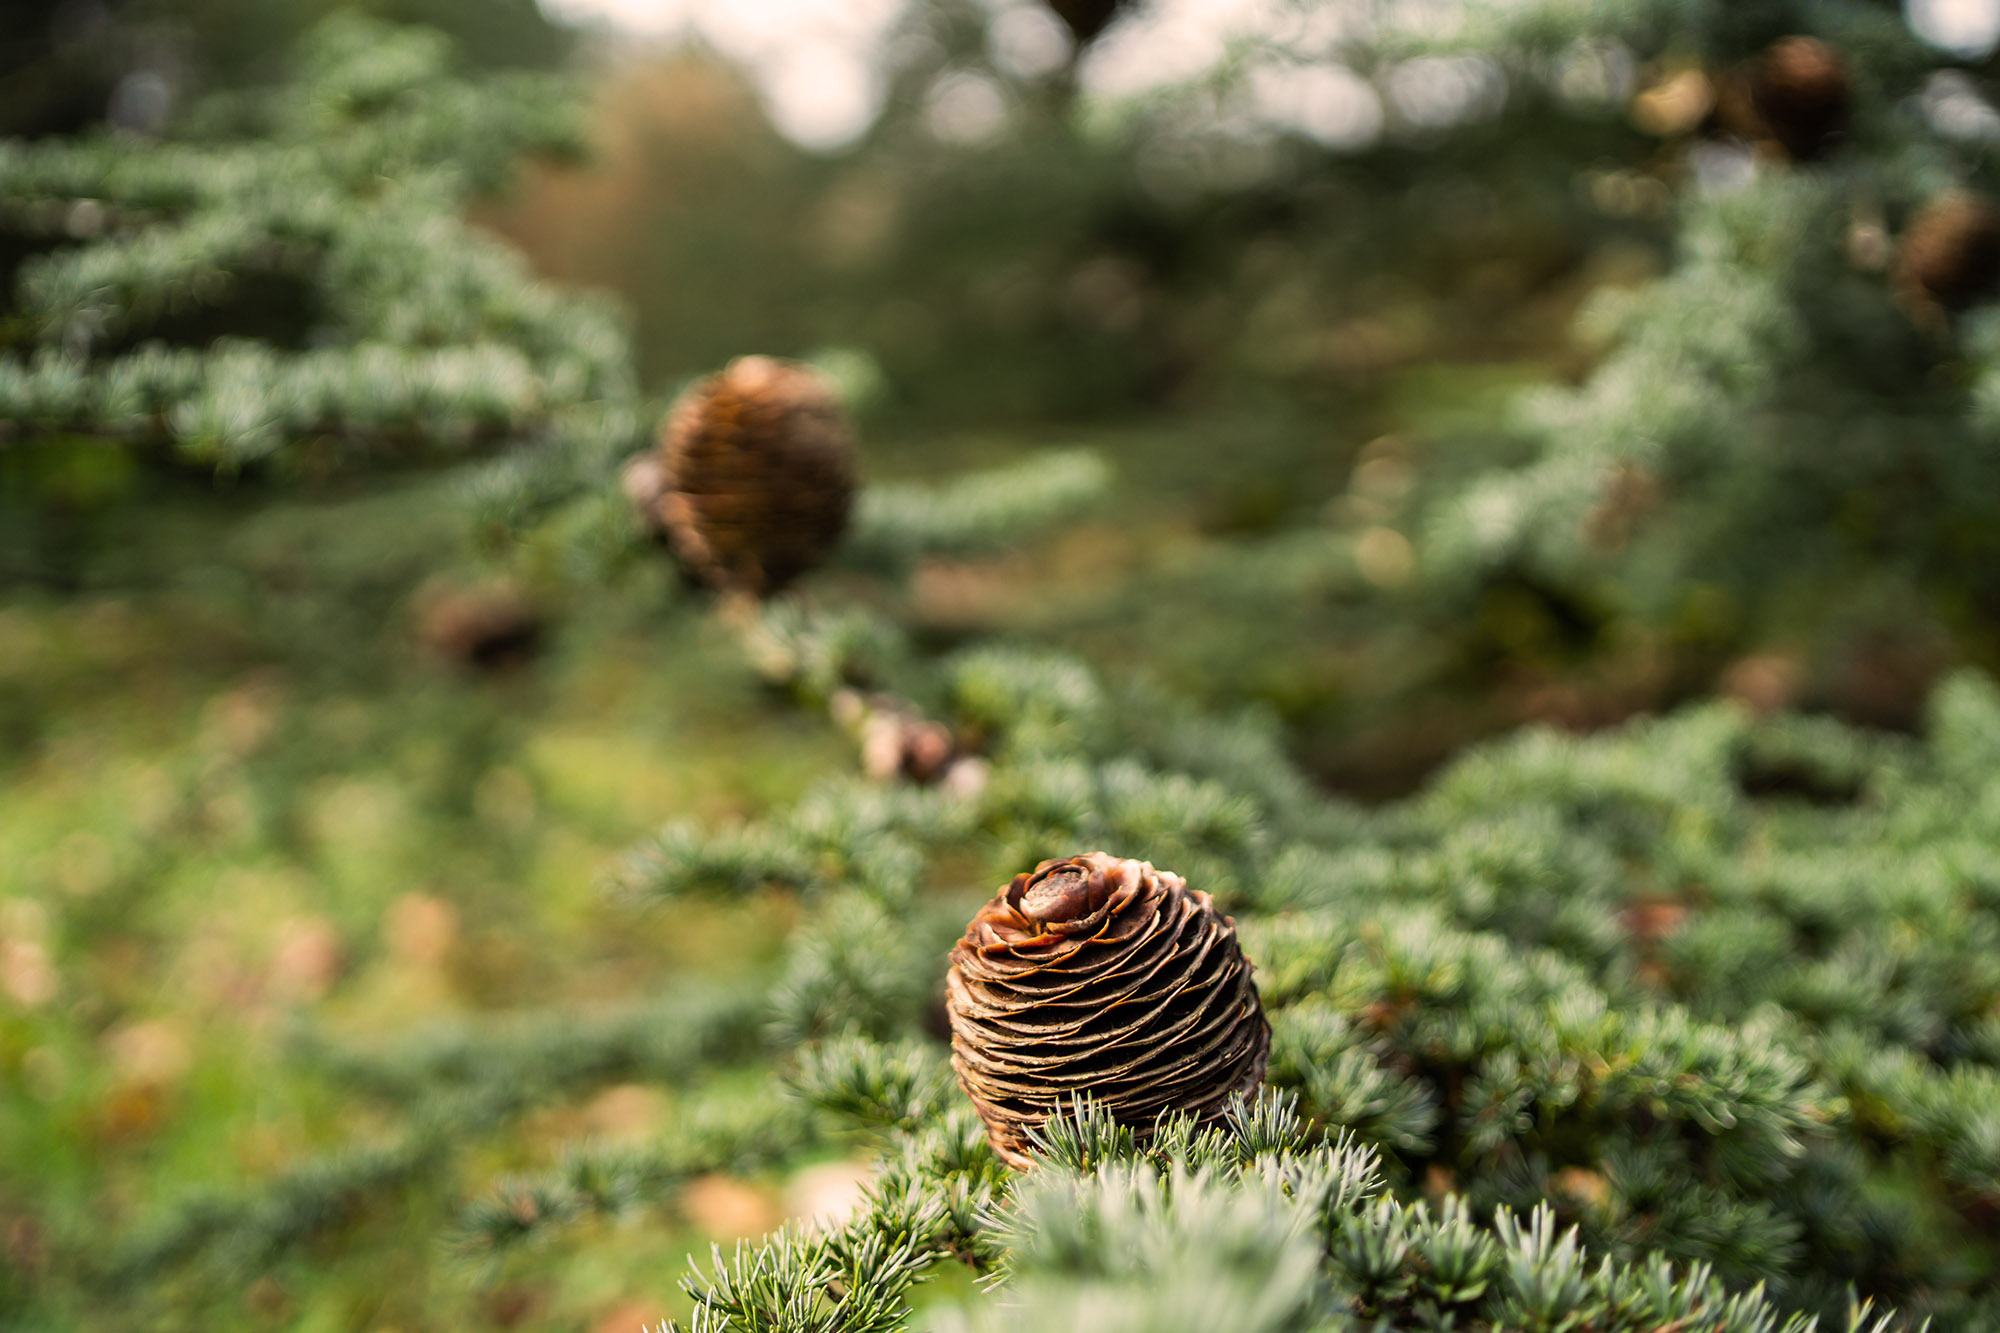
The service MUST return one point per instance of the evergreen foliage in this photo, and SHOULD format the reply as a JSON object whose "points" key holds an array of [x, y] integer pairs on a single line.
{"points": [[1780, 446], [1711, 991], [289, 273], [1694, 1023], [1779, 416]]}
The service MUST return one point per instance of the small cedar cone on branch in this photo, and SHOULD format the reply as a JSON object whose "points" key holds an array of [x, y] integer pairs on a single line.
{"points": [[1950, 251], [898, 741], [754, 476], [1103, 977]]}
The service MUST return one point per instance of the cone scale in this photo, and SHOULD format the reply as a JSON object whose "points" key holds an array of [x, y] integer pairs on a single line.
{"points": [[1101, 977]]}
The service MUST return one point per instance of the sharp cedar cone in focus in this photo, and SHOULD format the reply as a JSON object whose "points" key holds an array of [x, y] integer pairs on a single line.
{"points": [[1799, 90], [1951, 250], [756, 475], [1086, 18], [1102, 977]]}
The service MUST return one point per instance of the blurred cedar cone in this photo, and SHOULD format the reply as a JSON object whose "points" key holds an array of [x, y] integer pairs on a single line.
{"points": [[1102, 977], [755, 475], [1086, 18], [484, 627], [1951, 250], [1799, 90]]}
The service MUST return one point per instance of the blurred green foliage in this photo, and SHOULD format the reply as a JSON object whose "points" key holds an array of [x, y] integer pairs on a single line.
{"points": [[239, 796], [62, 65]]}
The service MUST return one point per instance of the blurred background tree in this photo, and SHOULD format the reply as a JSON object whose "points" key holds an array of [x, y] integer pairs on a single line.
{"points": [[75, 64], [1349, 251]]}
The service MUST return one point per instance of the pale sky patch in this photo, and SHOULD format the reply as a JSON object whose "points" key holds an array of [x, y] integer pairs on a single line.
{"points": [[1968, 28], [815, 63]]}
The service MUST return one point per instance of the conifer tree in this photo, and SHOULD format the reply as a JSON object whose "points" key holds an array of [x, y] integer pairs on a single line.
{"points": [[1688, 1024], [1769, 472], [313, 228], [1799, 405]]}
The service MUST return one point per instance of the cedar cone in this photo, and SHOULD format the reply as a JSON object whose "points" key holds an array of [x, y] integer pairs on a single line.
{"points": [[759, 475], [1102, 977], [1951, 249], [1799, 90], [1086, 18]]}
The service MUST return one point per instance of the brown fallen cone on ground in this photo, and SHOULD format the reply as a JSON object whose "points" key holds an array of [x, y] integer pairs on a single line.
{"points": [[488, 626], [725, 1207], [1104, 978]]}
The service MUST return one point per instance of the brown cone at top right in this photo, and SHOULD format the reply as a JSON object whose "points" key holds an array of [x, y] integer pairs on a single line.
{"points": [[1950, 250], [1801, 94]]}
